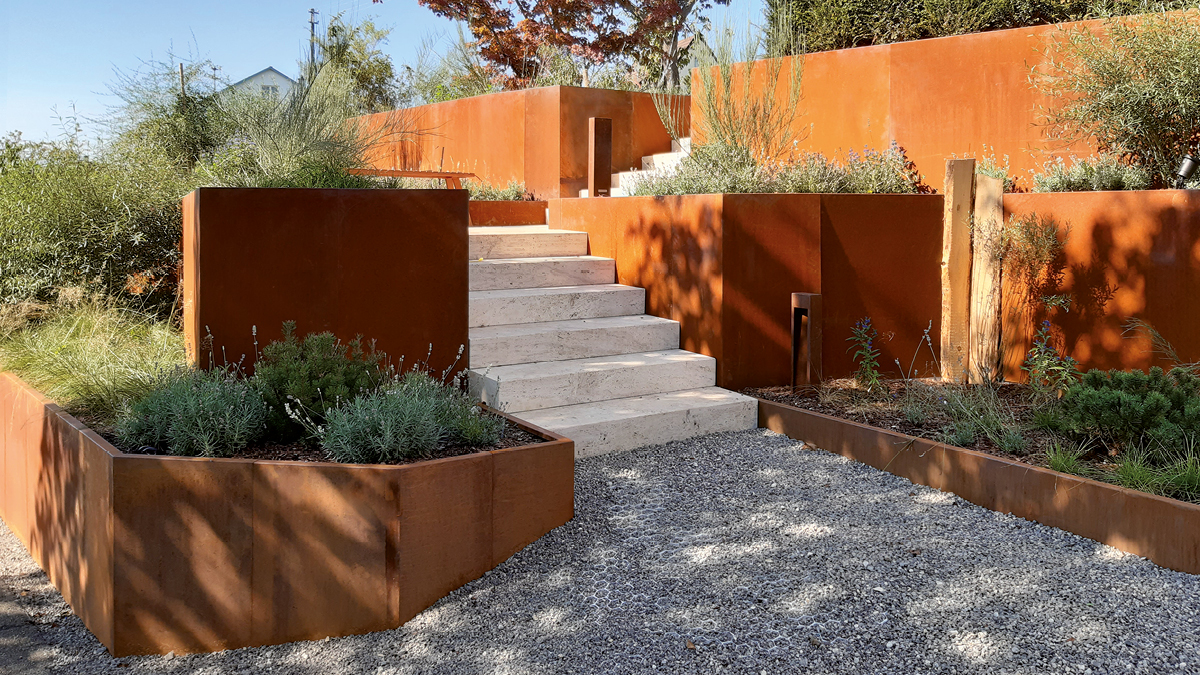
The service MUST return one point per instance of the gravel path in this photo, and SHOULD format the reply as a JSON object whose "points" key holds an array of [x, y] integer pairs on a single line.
{"points": [[743, 552]]}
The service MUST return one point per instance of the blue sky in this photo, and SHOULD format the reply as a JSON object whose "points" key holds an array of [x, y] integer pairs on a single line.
{"points": [[63, 53]]}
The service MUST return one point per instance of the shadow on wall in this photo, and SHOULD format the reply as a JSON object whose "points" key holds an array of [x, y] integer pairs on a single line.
{"points": [[725, 267], [1126, 255]]}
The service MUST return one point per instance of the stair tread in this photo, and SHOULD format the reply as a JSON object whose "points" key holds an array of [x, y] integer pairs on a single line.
{"points": [[534, 261], [552, 290], [517, 230], [600, 323], [545, 369], [618, 409]]}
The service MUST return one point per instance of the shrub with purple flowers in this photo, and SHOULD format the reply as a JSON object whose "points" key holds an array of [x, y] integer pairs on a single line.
{"points": [[862, 339]]}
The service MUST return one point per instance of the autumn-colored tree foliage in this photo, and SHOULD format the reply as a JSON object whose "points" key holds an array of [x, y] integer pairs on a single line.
{"points": [[509, 33]]}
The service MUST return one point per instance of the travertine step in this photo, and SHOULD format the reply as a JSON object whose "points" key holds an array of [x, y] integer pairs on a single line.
{"points": [[488, 275], [576, 339], [559, 303], [663, 161], [525, 241], [627, 423], [682, 145], [531, 386]]}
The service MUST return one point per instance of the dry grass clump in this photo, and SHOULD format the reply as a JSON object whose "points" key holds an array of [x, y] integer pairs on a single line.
{"points": [[94, 358]]}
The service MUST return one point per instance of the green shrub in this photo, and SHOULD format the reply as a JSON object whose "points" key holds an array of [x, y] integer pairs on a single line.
{"points": [[838, 24], [714, 169], [960, 434], [109, 222], [1134, 90], [93, 359], [210, 413], [312, 376], [409, 419], [1090, 174], [1050, 373], [1122, 409], [1067, 458]]}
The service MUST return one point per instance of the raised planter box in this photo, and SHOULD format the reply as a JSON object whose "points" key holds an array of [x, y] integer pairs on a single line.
{"points": [[1164, 530], [161, 554]]}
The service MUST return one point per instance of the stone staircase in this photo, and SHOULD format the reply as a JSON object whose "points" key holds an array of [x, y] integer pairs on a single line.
{"points": [[657, 164], [556, 342]]}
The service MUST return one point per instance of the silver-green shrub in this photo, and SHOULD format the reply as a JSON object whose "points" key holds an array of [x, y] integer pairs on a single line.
{"points": [[712, 169], [196, 413], [410, 419], [1132, 89], [1105, 172]]}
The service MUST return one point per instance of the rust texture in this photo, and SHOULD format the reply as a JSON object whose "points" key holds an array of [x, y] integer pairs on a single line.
{"points": [[1164, 530], [1127, 254], [181, 554], [487, 213], [725, 267], [599, 157], [936, 98], [538, 137], [389, 265]]}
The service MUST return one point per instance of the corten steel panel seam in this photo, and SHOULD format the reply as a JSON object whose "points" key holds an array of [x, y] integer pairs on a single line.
{"points": [[1164, 530]]}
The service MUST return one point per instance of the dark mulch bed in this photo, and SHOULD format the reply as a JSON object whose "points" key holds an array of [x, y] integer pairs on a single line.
{"points": [[514, 436], [842, 399]]}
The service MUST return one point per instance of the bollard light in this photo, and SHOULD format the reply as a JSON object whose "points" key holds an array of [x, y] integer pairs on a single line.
{"points": [[1186, 168]]}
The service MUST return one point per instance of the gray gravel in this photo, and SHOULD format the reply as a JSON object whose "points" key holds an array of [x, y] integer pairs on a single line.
{"points": [[744, 552]]}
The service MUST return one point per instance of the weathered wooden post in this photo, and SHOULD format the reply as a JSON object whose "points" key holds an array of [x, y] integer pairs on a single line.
{"points": [[985, 280], [956, 270]]}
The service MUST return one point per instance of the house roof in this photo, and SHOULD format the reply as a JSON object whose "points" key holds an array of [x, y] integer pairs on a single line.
{"points": [[268, 69]]}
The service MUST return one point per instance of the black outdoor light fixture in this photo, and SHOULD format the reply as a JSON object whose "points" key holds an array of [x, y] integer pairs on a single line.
{"points": [[1186, 168]]}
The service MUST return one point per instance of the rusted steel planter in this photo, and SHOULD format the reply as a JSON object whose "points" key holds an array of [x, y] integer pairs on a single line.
{"points": [[161, 554], [1164, 530]]}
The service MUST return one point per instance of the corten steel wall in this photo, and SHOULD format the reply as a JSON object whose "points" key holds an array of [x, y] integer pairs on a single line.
{"points": [[1127, 254], [725, 267], [488, 213], [161, 554], [390, 265], [535, 136], [56, 481], [936, 98]]}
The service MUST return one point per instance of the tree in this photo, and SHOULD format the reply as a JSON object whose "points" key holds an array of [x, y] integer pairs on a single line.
{"points": [[354, 48], [510, 34]]}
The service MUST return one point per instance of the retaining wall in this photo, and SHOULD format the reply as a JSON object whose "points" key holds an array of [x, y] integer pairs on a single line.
{"points": [[535, 136], [936, 98], [390, 265], [725, 267], [1127, 254]]}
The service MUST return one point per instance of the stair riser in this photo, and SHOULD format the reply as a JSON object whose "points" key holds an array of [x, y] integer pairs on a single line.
{"points": [[587, 387], [537, 308], [604, 438], [662, 162], [535, 245], [485, 277], [573, 344]]}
